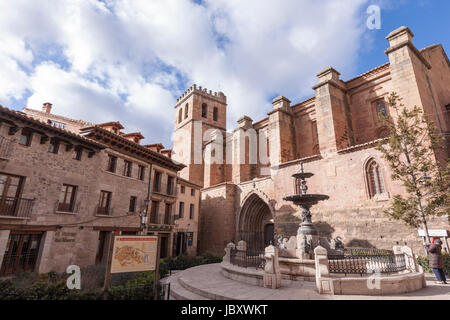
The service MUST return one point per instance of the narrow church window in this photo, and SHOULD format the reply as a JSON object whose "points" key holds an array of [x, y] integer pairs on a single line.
{"points": [[180, 115], [374, 179], [186, 110], [204, 110], [215, 114], [381, 109], [315, 137]]}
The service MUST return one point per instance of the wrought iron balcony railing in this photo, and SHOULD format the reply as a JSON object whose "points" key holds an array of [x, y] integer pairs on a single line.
{"points": [[66, 207], [165, 189], [16, 207], [161, 219], [104, 211]]}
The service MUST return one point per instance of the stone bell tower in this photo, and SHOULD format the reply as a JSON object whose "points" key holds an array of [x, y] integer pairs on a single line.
{"points": [[198, 114]]}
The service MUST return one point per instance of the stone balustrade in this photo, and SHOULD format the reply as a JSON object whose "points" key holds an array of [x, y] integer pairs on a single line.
{"points": [[410, 279]]}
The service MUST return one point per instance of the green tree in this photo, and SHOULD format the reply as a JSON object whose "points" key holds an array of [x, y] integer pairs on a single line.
{"points": [[410, 152]]}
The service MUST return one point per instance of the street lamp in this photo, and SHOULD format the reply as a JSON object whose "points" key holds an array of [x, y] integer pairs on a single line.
{"points": [[144, 217]]}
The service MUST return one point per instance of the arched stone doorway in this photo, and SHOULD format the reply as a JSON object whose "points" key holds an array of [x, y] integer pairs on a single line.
{"points": [[255, 223]]}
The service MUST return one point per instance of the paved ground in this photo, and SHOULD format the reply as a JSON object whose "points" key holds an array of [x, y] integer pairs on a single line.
{"points": [[207, 282]]}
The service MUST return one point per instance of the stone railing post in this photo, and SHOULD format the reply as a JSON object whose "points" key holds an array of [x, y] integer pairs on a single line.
{"points": [[272, 274], [397, 249], [324, 283], [410, 259], [242, 245], [242, 250], [227, 255]]}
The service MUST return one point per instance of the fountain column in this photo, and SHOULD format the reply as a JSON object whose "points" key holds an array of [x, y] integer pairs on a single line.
{"points": [[307, 235]]}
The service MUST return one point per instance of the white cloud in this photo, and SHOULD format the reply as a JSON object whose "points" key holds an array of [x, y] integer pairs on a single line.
{"points": [[72, 95], [128, 60], [13, 81]]}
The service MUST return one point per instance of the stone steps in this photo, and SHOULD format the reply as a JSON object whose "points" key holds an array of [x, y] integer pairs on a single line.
{"points": [[178, 292], [207, 282]]}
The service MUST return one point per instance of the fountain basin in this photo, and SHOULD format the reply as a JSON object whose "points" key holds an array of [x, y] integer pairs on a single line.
{"points": [[307, 199]]}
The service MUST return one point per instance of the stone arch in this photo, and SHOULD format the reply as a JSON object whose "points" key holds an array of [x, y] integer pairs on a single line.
{"points": [[383, 173], [254, 222]]}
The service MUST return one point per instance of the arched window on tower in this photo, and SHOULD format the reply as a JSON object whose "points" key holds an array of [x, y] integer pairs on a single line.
{"points": [[215, 114], [186, 110], [180, 115], [375, 179], [204, 110]]}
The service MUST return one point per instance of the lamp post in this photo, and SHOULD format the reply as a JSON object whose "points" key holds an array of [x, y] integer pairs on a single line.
{"points": [[143, 215]]}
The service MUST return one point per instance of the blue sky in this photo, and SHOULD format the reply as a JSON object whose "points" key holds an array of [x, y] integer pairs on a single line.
{"points": [[428, 20], [130, 60]]}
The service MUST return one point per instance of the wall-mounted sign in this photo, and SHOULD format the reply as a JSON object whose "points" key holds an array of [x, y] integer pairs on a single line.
{"points": [[190, 238], [434, 233], [64, 236], [134, 253]]}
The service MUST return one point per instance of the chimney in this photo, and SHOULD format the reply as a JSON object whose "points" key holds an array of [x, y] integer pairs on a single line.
{"points": [[167, 153], [157, 147], [135, 137], [47, 107]]}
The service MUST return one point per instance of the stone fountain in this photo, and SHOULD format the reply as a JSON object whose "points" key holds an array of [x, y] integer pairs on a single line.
{"points": [[307, 236]]}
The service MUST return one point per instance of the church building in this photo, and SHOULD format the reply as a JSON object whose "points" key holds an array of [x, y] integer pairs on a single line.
{"points": [[246, 172]]}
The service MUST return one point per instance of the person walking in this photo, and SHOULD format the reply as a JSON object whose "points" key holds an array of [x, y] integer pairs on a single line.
{"points": [[436, 260]]}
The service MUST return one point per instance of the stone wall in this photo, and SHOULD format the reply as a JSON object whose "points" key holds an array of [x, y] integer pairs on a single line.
{"points": [[72, 237], [217, 218], [186, 223]]}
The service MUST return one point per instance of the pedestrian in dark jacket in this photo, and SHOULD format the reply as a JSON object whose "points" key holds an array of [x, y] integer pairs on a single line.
{"points": [[436, 260]]}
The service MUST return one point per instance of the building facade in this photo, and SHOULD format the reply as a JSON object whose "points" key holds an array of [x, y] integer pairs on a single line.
{"points": [[68, 185], [334, 133], [185, 238]]}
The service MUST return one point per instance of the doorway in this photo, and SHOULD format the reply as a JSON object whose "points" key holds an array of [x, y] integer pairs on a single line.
{"points": [[268, 234], [101, 246], [255, 224], [180, 243], [164, 246], [21, 252]]}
